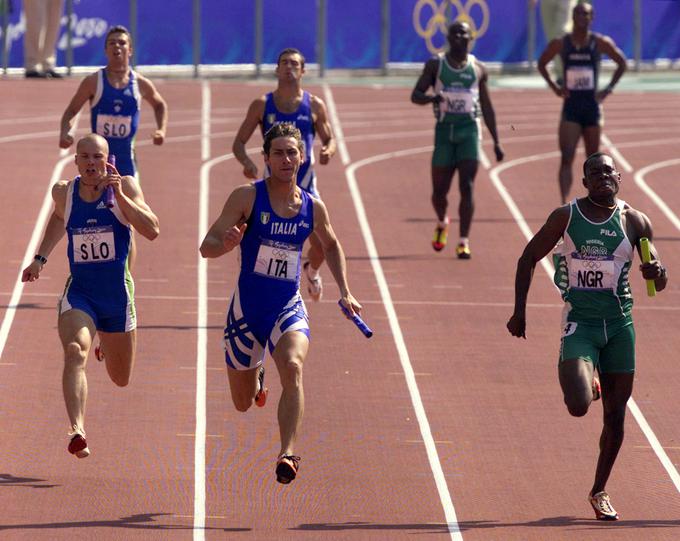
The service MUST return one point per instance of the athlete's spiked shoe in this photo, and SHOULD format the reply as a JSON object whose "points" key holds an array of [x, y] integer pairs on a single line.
{"points": [[98, 353], [77, 445], [287, 468], [261, 396], [603, 507], [463, 251], [597, 388], [441, 235]]}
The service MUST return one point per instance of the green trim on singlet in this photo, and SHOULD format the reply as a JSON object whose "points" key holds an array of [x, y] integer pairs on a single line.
{"points": [[588, 250]]}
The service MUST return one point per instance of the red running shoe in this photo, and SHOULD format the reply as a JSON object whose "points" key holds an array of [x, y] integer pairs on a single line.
{"points": [[78, 445], [261, 396], [286, 468], [597, 389], [98, 353], [441, 235]]}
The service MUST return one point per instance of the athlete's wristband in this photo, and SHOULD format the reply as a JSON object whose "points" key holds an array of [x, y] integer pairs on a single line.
{"points": [[40, 258]]}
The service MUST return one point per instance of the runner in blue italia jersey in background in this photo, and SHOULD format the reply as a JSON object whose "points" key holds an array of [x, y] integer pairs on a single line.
{"points": [[270, 219], [290, 104], [460, 95], [594, 239], [99, 293]]}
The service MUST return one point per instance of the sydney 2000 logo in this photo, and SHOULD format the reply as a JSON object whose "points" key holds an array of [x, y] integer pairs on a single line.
{"points": [[431, 19]]}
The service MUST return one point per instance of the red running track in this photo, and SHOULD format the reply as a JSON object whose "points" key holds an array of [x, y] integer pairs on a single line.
{"points": [[441, 425]]}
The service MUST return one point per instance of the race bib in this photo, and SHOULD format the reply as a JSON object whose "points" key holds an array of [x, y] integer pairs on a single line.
{"points": [[457, 101], [580, 78], [592, 273], [93, 244], [278, 260], [114, 126]]}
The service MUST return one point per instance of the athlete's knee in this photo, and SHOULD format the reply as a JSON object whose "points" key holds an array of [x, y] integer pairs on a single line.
{"points": [[577, 405], [242, 402], [290, 371], [615, 419], [75, 354], [121, 380]]}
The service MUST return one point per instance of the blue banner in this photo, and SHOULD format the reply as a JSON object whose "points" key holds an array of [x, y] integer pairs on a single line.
{"points": [[417, 29]]}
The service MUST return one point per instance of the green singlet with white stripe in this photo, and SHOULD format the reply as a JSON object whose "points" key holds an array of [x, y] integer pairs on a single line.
{"points": [[592, 265]]}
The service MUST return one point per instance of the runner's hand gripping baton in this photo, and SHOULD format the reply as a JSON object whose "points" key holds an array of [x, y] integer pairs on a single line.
{"points": [[646, 258], [356, 319], [109, 196]]}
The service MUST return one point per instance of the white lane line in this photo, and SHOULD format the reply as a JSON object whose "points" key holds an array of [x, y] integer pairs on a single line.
{"points": [[639, 179], [205, 119], [616, 154], [548, 268], [407, 367], [31, 249]]}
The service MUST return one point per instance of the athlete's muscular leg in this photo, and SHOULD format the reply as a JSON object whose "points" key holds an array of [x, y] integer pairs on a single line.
{"points": [[76, 331], [569, 134], [467, 170], [591, 139], [616, 390], [576, 380], [441, 184], [243, 386], [289, 355], [120, 350], [315, 252]]}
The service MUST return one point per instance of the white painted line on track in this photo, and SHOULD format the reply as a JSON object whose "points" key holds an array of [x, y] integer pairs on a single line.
{"points": [[31, 249], [416, 399], [627, 167], [639, 179], [205, 119], [548, 268]]}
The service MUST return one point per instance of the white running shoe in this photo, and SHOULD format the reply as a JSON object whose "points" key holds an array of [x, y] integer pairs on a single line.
{"points": [[77, 444], [603, 507], [314, 284]]}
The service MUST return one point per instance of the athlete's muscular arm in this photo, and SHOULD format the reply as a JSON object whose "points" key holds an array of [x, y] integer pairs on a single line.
{"points": [[131, 202], [227, 231], [53, 232], [335, 256], [426, 80], [551, 51], [85, 92], [606, 45], [322, 127], [487, 111], [252, 120], [537, 248], [159, 105], [638, 226]]}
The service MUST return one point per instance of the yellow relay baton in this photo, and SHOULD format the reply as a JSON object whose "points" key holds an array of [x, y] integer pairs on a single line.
{"points": [[646, 258]]}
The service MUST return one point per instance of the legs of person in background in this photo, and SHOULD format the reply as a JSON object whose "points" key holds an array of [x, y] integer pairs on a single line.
{"points": [[441, 184]]}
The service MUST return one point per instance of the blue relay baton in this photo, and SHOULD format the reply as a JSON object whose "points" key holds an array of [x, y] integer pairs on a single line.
{"points": [[109, 196], [356, 319]]}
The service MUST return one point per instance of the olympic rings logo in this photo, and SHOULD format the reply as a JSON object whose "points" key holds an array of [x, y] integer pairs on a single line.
{"points": [[438, 21], [591, 264]]}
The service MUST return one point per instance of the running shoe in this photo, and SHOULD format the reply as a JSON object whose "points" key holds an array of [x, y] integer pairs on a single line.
{"points": [[603, 507], [463, 251], [597, 389], [286, 468], [314, 285], [98, 353], [262, 392], [77, 444], [441, 235]]}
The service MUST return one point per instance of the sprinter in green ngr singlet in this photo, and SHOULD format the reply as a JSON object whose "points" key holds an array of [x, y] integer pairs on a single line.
{"points": [[459, 83], [593, 238]]}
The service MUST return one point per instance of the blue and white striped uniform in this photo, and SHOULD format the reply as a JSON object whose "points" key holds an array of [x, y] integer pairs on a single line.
{"points": [[114, 115], [100, 283], [303, 121], [267, 301]]}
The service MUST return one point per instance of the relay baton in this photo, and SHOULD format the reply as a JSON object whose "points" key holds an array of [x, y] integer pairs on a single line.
{"points": [[108, 195], [356, 319], [646, 258]]}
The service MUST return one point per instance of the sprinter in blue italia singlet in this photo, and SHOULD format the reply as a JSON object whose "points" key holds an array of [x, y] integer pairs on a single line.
{"points": [[99, 293], [580, 51], [270, 220], [593, 238]]}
